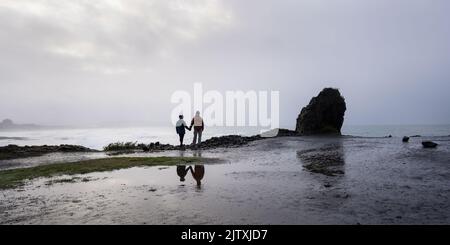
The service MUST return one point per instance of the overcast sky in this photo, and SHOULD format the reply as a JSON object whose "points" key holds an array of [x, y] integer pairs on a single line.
{"points": [[90, 62]]}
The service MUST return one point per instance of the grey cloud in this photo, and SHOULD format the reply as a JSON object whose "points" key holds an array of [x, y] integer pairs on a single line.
{"points": [[87, 62]]}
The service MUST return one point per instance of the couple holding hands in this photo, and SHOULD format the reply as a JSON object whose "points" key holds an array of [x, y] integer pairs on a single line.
{"points": [[196, 122]]}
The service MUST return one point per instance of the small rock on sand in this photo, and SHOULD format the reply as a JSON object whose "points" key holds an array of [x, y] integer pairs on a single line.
{"points": [[429, 144]]}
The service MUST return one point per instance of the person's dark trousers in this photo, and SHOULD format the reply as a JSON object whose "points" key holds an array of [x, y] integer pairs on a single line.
{"points": [[181, 139], [197, 134]]}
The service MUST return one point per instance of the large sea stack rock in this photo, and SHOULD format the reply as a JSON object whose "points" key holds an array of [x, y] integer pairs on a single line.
{"points": [[323, 115]]}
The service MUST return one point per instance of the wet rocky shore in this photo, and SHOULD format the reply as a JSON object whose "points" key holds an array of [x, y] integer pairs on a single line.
{"points": [[14, 151], [227, 141], [280, 180]]}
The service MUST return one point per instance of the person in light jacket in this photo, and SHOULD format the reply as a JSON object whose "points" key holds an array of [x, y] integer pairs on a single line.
{"points": [[199, 126], [198, 172]]}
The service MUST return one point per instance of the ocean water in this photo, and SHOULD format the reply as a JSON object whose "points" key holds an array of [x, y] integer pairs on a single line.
{"points": [[97, 138]]}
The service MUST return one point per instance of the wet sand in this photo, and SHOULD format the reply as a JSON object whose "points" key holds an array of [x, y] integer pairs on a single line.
{"points": [[292, 180]]}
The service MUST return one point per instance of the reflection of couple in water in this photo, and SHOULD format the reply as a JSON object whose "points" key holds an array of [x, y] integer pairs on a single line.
{"points": [[197, 172], [196, 122]]}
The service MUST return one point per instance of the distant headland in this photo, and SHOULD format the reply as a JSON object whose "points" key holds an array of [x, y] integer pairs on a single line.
{"points": [[8, 124]]}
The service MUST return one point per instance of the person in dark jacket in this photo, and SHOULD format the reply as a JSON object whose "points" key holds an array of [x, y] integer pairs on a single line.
{"points": [[182, 171], [180, 127]]}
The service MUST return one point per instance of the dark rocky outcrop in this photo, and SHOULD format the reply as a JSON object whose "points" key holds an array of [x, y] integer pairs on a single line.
{"points": [[405, 139], [228, 141], [429, 144], [287, 133], [323, 115], [14, 151]]}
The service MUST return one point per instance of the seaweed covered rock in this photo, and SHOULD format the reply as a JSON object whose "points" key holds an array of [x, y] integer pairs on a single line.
{"points": [[15, 151], [323, 115]]}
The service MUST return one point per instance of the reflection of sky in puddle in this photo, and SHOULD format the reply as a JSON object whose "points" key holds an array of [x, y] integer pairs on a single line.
{"points": [[264, 183]]}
